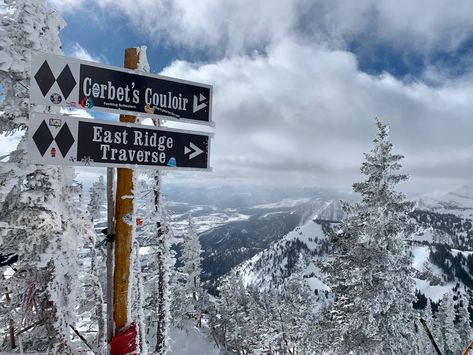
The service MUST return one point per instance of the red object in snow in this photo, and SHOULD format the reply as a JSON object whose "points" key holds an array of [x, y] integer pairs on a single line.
{"points": [[124, 342], [139, 222], [53, 152]]}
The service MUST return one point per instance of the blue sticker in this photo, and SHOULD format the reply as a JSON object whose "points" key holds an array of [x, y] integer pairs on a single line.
{"points": [[56, 98], [172, 162]]}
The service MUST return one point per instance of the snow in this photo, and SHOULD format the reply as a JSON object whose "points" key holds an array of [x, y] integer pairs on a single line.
{"points": [[9, 142], [459, 201], [287, 202], [308, 233], [143, 64], [421, 261], [207, 222], [421, 256], [425, 236], [190, 341], [317, 284], [435, 293], [465, 253], [266, 215]]}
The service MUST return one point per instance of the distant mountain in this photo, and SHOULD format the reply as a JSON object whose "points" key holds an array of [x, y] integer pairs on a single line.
{"points": [[459, 202], [331, 212], [442, 251], [226, 246], [271, 267]]}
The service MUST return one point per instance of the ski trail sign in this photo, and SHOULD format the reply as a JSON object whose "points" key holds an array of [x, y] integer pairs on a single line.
{"points": [[66, 82], [59, 140]]}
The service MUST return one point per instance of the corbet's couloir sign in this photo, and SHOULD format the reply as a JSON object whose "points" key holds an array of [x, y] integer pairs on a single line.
{"points": [[65, 82], [57, 140]]}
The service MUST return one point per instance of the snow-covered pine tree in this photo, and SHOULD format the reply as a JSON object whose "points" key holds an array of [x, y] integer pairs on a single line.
{"points": [[370, 270], [27, 26], [450, 341], [463, 325], [296, 310], [424, 343], [234, 331], [190, 290], [97, 198], [35, 201], [160, 261], [264, 324]]}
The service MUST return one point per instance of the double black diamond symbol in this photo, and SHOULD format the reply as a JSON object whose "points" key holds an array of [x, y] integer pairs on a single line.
{"points": [[45, 79], [43, 138]]}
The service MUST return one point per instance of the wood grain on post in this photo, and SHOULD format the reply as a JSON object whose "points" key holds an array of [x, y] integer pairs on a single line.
{"points": [[124, 222]]}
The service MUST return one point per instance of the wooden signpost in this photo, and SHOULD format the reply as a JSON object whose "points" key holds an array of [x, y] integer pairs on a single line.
{"points": [[61, 140], [124, 223]]}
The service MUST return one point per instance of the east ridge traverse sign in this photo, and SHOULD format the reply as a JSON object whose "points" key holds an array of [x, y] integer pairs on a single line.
{"points": [[61, 140], [66, 82]]}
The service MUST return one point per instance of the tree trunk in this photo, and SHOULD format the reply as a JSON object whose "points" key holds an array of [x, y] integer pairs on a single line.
{"points": [[11, 326], [11, 323], [98, 299], [161, 284]]}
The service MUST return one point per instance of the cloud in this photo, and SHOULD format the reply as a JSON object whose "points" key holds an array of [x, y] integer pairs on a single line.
{"points": [[66, 5], [291, 104], [79, 52], [227, 27], [236, 27], [300, 114]]}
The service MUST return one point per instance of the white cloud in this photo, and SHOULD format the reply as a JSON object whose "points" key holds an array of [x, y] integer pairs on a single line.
{"points": [[290, 102], [305, 114], [66, 5], [79, 52], [232, 27], [228, 26]]}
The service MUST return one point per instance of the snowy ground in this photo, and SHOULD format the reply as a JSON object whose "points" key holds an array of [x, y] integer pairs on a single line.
{"points": [[191, 341]]}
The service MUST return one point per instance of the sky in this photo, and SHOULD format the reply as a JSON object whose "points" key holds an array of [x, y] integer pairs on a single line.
{"points": [[298, 83]]}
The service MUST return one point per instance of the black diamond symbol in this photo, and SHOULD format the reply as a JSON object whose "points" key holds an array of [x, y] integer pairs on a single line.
{"points": [[64, 140], [43, 138], [45, 78], [66, 81]]}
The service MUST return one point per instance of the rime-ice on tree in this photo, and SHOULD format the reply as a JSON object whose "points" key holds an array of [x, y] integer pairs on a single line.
{"points": [[187, 303], [297, 317], [97, 198], [37, 202], [249, 320], [450, 340], [27, 26], [160, 261], [370, 271], [424, 344], [463, 325]]}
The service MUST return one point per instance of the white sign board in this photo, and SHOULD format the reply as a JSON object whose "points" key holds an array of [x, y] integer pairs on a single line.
{"points": [[66, 82], [62, 140]]}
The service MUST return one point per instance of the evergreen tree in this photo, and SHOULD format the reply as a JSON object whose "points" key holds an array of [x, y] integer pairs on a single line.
{"points": [[189, 288], [158, 234], [37, 202], [234, 306], [445, 322], [370, 272], [425, 345], [97, 198], [27, 26], [296, 311], [463, 325]]}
